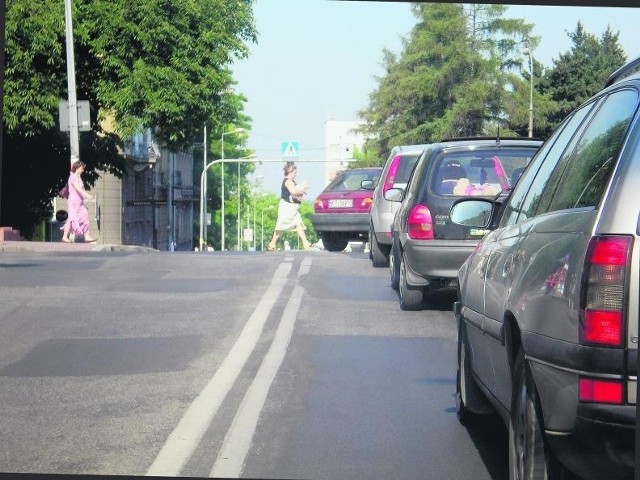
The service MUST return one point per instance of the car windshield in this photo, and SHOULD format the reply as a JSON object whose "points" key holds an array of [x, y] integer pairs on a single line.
{"points": [[350, 180], [484, 173]]}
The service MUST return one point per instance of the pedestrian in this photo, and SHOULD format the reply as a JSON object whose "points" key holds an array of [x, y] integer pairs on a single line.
{"points": [[289, 218], [78, 219]]}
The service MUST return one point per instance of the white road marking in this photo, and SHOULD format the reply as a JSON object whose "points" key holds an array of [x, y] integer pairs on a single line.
{"points": [[305, 266], [238, 439], [185, 437]]}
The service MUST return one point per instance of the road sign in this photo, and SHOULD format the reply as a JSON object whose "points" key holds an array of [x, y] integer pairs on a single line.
{"points": [[290, 150], [84, 116]]}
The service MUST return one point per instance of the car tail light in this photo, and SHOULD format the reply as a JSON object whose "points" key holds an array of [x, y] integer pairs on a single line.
{"points": [[366, 203], [600, 391], [318, 205], [390, 180], [419, 223], [604, 291]]}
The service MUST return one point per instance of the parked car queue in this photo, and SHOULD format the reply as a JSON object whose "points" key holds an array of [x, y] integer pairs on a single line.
{"points": [[547, 283]]}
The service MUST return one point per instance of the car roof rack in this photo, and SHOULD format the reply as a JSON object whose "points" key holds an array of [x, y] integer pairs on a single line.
{"points": [[458, 139], [623, 72]]}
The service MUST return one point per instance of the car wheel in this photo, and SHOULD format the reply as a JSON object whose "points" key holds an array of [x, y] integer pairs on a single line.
{"points": [[333, 243], [529, 456], [379, 257], [394, 266], [410, 298]]}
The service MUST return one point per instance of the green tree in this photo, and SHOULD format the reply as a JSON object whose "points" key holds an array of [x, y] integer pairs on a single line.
{"points": [[450, 79], [367, 157], [164, 65], [580, 73]]}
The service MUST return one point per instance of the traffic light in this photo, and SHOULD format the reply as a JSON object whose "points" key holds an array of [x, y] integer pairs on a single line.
{"points": [[213, 201]]}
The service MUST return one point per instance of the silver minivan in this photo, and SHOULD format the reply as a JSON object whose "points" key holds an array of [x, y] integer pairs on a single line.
{"points": [[548, 302], [395, 174]]}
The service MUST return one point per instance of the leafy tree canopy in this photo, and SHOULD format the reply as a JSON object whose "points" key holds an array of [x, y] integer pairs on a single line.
{"points": [[580, 73], [450, 78], [141, 63]]}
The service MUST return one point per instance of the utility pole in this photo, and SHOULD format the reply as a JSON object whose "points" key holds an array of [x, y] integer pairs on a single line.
{"points": [[170, 212], [527, 51], [2, 46], [74, 144]]}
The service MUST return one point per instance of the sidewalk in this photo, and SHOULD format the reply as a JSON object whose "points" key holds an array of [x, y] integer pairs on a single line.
{"points": [[27, 246]]}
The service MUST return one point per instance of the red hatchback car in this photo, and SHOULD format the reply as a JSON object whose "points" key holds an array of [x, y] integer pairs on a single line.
{"points": [[341, 211]]}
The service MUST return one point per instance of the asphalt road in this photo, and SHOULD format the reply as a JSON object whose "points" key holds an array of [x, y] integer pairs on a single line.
{"points": [[259, 365]]}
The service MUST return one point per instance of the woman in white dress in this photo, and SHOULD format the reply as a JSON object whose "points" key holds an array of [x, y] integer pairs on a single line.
{"points": [[289, 218]]}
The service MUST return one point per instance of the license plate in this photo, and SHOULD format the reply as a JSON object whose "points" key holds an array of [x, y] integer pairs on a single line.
{"points": [[341, 203]]}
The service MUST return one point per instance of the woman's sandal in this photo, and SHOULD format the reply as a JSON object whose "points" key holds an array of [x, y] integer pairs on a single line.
{"points": [[66, 240]]}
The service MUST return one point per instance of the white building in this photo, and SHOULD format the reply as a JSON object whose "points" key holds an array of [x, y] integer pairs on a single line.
{"points": [[341, 140]]}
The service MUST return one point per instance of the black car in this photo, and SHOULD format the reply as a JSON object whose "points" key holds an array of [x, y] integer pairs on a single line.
{"points": [[427, 248]]}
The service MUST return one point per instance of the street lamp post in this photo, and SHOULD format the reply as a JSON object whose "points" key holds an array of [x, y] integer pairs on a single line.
{"points": [[237, 130], [257, 181], [238, 227], [270, 207], [203, 213], [526, 51]]}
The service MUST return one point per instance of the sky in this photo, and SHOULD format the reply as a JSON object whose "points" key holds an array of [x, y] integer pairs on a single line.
{"points": [[318, 59]]}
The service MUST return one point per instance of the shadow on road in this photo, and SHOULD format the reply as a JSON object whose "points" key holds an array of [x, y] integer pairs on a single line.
{"points": [[441, 300], [491, 439]]}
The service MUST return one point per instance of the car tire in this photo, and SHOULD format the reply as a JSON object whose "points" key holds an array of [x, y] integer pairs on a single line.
{"points": [[394, 266], [333, 243], [379, 255], [529, 454], [410, 298]]}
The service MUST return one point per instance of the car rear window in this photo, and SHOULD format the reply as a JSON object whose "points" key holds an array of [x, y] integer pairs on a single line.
{"points": [[479, 172], [405, 167], [350, 180]]}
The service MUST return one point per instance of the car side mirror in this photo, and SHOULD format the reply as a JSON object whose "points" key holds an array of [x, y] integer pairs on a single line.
{"points": [[394, 194], [368, 185], [475, 213]]}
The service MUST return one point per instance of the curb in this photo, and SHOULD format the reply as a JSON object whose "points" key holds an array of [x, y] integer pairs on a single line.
{"points": [[27, 246]]}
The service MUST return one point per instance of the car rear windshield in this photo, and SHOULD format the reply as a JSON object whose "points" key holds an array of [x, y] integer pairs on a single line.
{"points": [[350, 180], [480, 172]]}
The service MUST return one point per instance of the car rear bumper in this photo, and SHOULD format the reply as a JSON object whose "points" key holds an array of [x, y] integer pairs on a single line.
{"points": [[595, 440], [341, 222], [429, 261], [597, 449]]}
